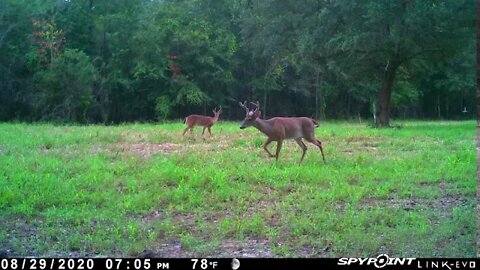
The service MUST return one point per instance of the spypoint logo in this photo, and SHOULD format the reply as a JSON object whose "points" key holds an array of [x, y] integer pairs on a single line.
{"points": [[379, 262]]}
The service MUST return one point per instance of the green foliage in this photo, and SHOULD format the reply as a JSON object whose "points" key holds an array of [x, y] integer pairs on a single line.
{"points": [[404, 92], [64, 89], [352, 45], [163, 107], [189, 93], [321, 58]]}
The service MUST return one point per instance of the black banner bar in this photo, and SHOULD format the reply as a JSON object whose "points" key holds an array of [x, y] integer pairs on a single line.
{"points": [[380, 262]]}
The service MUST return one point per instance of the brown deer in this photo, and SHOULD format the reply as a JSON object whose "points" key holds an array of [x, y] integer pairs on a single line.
{"points": [[282, 128], [201, 120]]}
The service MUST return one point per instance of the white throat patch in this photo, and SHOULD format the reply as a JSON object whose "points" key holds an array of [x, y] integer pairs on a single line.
{"points": [[250, 113]]}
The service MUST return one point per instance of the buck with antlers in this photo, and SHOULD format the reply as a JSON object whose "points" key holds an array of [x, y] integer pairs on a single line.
{"points": [[201, 120], [282, 128]]}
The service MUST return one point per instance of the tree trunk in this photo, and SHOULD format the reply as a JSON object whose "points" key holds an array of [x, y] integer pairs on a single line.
{"points": [[348, 105], [446, 108], [317, 89], [265, 104], [438, 107], [384, 95], [316, 103]]}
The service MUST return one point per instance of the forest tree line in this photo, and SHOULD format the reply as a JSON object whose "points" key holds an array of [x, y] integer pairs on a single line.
{"points": [[92, 61]]}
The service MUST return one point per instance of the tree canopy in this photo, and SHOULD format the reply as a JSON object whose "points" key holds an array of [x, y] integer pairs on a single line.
{"points": [[144, 60]]}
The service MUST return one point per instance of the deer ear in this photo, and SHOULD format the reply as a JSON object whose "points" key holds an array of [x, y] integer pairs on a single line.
{"points": [[258, 114]]}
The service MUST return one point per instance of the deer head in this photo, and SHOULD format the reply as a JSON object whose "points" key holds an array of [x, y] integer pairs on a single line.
{"points": [[250, 116], [217, 113]]}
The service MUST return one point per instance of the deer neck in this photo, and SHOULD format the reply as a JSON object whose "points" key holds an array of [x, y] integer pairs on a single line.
{"points": [[262, 125], [214, 119]]}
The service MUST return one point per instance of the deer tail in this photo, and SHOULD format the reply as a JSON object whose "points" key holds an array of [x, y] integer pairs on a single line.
{"points": [[185, 120], [315, 123]]}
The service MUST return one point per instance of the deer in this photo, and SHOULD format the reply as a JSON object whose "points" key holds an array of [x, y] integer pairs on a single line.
{"points": [[282, 128], [201, 120]]}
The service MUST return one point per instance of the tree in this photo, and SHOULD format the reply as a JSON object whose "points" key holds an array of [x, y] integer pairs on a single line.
{"points": [[183, 61], [166, 59], [64, 89], [382, 36], [15, 78]]}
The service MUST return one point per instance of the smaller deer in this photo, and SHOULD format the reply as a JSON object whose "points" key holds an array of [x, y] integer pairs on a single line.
{"points": [[282, 128], [201, 120]]}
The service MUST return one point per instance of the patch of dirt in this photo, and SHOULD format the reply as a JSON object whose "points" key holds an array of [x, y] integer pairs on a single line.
{"points": [[165, 250], [348, 152], [153, 216], [367, 148], [3, 149], [120, 187], [359, 144], [207, 147], [357, 138], [316, 252], [146, 150], [248, 248], [46, 146], [184, 220], [443, 204], [132, 136], [341, 207], [19, 234], [359, 149], [187, 222]]}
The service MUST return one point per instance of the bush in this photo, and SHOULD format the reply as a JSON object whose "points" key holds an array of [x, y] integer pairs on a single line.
{"points": [[64, 89]]}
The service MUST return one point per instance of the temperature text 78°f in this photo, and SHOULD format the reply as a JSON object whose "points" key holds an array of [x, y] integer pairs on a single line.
{"points": [[204, 264]]}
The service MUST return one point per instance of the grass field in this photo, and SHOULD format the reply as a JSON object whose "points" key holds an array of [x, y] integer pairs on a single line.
{"points": [[130, 189]]}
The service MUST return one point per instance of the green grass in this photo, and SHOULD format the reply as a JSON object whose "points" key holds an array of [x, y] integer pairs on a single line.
{"points": [[120, 190]]}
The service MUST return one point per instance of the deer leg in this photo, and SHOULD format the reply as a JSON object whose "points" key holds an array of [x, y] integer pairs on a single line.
{"points": [[265, 144], [203, 131], [209, 131], [321, 149], [185, 131], [279, 147], [303, 146], [317, 143]]}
